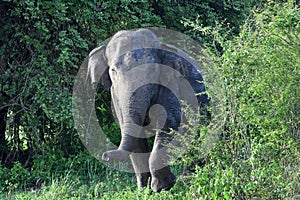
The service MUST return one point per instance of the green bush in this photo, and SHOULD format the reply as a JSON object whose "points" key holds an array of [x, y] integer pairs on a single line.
{"points": [[258, 154]]}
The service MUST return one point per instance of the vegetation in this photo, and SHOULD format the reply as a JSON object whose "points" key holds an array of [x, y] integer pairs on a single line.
{"points": [[255, 46]]}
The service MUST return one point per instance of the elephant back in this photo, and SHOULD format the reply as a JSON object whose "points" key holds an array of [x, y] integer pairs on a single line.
{"points": [[189, 70]]}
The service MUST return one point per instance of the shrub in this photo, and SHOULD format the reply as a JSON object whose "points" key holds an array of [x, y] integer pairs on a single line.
{"points": [[258, 154]]}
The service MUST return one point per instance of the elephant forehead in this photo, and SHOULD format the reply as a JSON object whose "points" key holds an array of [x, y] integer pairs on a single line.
{"points": [[126, 41], [136, 57]]}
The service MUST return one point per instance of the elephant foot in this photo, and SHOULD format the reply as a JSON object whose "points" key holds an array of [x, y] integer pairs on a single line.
{"points": [[163, 182], [143, 180], [115, 155]]}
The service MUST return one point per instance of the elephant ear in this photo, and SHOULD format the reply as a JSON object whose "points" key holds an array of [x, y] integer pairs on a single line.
{"points": [[181, 61], [188, 69], [98, 67]]}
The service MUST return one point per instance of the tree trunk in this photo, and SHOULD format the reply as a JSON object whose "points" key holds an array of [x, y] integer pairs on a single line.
{"points": [[3, 142]]}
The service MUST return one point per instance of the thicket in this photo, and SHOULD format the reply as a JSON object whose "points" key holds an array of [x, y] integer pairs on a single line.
{"points": [[258, 153], [43, 43]]}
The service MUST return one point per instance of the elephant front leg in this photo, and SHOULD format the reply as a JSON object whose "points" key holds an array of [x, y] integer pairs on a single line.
{"points": [[162, 177], [140, 162]]}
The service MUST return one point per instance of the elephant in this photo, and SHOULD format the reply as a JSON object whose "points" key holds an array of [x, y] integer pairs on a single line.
{"points": [[143, 75]]}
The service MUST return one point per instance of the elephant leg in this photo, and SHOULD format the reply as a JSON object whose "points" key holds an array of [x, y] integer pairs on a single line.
{"points": [[140, 162], [162, 177]]}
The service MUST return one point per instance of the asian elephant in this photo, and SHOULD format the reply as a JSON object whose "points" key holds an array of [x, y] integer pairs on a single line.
{"points": [[142, 72]]}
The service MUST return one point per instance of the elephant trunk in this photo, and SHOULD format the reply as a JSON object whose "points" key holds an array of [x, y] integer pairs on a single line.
{"points": [[131, 115], [115, 155], [125, 148], [131, 128]]}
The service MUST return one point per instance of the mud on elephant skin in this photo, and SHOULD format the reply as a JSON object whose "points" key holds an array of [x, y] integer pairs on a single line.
{"points": [[133, 66]]}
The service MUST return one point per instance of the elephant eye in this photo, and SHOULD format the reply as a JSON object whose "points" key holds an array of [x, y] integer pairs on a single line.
{"points": [[112, 69]]}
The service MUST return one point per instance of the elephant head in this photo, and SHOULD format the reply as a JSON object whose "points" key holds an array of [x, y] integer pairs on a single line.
{"points": [[112, 66]]}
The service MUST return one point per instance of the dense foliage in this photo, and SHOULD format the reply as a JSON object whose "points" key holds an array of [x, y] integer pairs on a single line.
{"points": [[258, 155], [43, 43]]}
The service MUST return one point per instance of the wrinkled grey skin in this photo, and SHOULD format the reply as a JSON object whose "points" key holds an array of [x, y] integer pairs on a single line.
{"points": [[121, 66]]}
